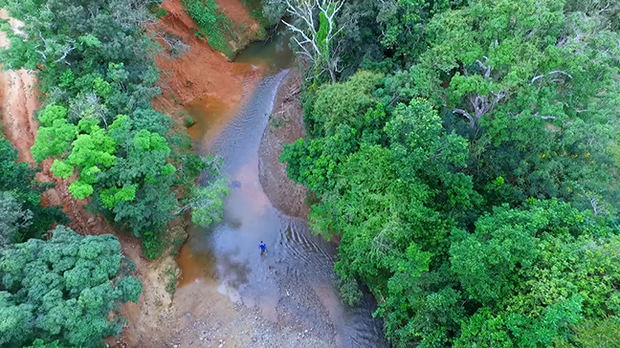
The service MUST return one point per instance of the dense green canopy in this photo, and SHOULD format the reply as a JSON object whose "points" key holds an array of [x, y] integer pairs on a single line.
{"points": [[96, 68], [468, 163], [21, 214], [63, 289]]}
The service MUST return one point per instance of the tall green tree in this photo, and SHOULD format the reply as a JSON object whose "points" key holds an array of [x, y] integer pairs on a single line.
{"points": [[21, 213], [14, 218], [473, 184], [62, 290], [390, 188]]}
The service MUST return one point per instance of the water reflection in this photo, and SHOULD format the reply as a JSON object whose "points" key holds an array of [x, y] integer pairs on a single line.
{"points": [[211, 115], [294, 281], [273, 55]]}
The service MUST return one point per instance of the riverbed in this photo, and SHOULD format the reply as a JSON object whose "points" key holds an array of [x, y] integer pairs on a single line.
{"points": [[292, 286]]}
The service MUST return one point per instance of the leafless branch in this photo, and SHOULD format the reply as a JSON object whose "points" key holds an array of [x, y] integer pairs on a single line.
{"points": [[481, 106], [472, 121], [554, 72], [42, 54], [594, 205], [323, 56], [66, 50], [544, 117], [487, 69]]}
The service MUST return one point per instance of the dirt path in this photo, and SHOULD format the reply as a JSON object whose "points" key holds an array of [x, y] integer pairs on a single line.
{"points": [[202, 317], [19, 101]]}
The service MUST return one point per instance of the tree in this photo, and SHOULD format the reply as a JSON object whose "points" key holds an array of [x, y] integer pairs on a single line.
{"points": [[62, 289], [533, 271], [205, 202], [213, 24], [21, 213], [404, 23], [473, 191], [594, 333], [389, 186], [315, 37], [95, 65], [336, 116], [532, 86], [13, 219]]}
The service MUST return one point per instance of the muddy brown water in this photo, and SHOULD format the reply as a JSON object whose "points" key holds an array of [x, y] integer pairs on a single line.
{"points": [[294, 282]]}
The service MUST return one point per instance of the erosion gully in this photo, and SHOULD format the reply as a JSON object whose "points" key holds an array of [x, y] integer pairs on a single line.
{"points": [[294, 281]]}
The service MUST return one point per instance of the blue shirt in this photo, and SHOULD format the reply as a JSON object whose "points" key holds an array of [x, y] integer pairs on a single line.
{"points": [[262, 246]]}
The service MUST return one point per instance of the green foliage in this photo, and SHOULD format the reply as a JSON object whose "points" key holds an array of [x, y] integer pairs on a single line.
{"points": [[533, 88], [470, 171], [62, 290], [208, 205], [96, 67], [206, 202], [404, 24], [152, 244], [21, 214], [188, 121], [596, 333], [53, 140], [257, 11], [39, 343], [272, 10], [389, 188], [157, 10], [213, 24], [387, 35], [172, 282], [344, 103], [514, 329], [535, 271], [14, 219]]}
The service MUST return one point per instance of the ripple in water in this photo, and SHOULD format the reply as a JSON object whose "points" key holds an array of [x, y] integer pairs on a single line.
{"points": [[295, 281]]}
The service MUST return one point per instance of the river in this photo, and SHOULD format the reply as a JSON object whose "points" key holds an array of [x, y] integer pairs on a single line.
{"points": [[294, 282]]}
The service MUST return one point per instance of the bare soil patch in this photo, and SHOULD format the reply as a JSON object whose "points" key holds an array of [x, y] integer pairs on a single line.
{"points": [[285, 126]]}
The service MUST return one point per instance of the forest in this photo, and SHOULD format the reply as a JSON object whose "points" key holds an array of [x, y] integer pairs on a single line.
{"points": [[463, 156], [95, 65]]}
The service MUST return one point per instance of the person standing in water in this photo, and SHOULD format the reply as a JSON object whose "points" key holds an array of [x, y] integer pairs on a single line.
{"points": [[262, 247]]}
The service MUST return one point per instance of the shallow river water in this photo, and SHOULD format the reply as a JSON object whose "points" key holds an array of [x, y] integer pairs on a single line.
{"points": [[294, 281]]}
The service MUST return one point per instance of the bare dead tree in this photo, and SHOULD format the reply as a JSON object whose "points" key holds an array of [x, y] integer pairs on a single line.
{"points": [[52, 47], [89, 105], [131, 13], [314, 36], [594, 205], [481, 105], [66, 49], [486, 68], [175, 45]]}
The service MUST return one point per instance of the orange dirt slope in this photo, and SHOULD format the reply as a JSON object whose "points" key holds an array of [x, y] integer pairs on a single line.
{"points": [[202, 71], [18, 102]]}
